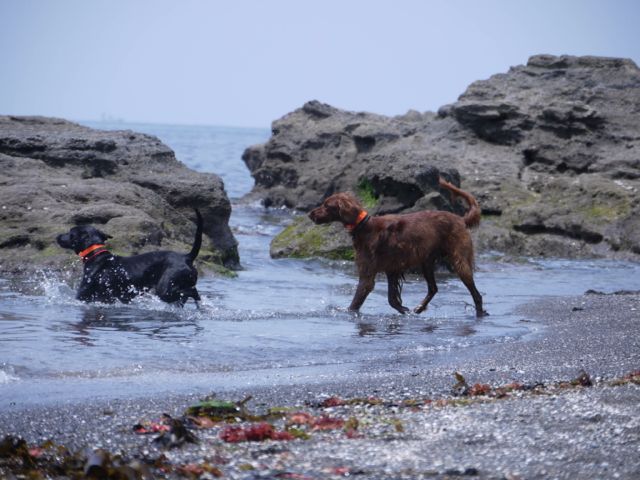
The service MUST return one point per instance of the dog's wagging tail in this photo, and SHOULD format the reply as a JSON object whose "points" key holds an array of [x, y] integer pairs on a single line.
{"points": [[108, 278], [392, 244]]}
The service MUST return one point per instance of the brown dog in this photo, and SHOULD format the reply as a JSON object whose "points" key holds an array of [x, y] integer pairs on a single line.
{"points": [[394, 243]]}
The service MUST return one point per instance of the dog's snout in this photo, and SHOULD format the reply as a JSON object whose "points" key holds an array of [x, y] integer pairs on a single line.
{"points": [[315, 214], [63, 240]]}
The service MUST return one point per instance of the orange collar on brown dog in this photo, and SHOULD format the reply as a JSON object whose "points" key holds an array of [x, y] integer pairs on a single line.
{"points": [[361, 216]]}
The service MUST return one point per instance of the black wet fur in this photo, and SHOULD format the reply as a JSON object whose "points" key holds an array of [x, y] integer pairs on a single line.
{"points": [[107, 277]]}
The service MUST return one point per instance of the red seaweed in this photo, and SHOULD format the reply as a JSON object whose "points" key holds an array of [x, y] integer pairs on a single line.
{"points": [[253, 433]]}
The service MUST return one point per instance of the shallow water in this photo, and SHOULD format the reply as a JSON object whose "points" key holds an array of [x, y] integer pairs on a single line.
{"points": [[279, 321]]}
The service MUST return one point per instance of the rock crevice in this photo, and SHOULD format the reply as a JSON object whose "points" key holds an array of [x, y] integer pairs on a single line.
{"points": [[559, 136], [55, 174]]}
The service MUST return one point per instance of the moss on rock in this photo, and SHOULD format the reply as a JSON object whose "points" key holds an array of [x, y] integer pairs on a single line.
{"points": [[366, 193], [303, 239]]}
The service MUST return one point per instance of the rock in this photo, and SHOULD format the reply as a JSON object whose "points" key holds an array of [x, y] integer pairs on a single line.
{"points": [[318, 150], [304, 239], [551, 149], [56, 174]]}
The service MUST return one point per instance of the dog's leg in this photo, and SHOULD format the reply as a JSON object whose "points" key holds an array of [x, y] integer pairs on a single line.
{"points": [[428, 272], [190, 293], [365, 286], [196, 297], [394, 292], [477, 298], [465, 272], [167, 292], [182, 299], [177, 286]]}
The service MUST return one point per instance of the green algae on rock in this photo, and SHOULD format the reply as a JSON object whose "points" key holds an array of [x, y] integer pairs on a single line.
{"points": [[56, 174], [303, 239], [548, 148]]}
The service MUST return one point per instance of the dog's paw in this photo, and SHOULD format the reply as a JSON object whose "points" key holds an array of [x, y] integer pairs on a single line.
{"points": [[402, 309]]}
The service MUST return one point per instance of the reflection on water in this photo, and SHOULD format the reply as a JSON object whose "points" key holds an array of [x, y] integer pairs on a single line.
{"points": [[152, 324], [429, 328], [277, 315], [465, 331], [278, 321]]}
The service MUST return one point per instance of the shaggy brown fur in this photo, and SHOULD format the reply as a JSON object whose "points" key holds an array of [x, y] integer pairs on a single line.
{"points": [[395, 243]]}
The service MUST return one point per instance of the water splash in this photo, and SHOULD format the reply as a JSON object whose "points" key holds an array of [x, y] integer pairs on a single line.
{"points": [[8, 374]]}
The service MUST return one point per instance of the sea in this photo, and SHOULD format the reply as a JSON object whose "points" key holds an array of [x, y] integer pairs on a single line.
{"points": [[278, 322]]}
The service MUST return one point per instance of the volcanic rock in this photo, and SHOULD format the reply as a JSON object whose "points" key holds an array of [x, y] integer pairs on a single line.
{"points": [[55, 174], [551, 149]]}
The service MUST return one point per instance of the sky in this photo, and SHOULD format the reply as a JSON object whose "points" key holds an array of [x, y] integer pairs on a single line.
{"points": [[249, 62]]}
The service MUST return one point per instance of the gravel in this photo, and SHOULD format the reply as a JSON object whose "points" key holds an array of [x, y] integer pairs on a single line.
{"points": [[415, 427]]}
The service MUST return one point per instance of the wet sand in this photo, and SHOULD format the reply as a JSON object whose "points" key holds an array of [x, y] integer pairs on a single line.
{"points": [[548, 432]]}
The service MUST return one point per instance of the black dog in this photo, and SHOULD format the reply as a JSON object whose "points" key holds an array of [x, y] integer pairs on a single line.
{"points": [[107, 277]]}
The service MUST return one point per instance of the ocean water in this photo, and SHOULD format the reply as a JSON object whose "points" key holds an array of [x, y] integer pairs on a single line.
{"points": [[279, 322]]}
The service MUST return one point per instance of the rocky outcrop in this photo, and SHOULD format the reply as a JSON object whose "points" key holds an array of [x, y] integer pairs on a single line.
{"points": [[55, 174], [551, 149]]}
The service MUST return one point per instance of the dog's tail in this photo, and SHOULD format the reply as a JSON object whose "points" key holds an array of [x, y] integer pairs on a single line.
{"points": [[197, 243], [472, 217]]}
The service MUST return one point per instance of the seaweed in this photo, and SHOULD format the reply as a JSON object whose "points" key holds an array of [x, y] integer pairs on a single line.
{"points": [[177, 435], [18, 459], [210, 411], [253, 433], [54, 461], [633, 377], [197, 470]]}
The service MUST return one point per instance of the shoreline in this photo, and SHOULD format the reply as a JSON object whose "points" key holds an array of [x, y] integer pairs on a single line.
{"points": [[564, 434]]}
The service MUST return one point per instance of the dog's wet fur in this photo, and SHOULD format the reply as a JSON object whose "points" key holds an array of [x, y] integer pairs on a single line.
{"points": [[392, 244], [108, 278]]}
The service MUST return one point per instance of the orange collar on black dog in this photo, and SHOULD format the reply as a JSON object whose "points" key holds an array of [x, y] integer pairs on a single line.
{"points": [[85, 255]]}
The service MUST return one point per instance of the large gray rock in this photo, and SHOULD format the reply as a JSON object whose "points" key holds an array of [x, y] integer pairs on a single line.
{"points": [[55, 174], [551, 150]]}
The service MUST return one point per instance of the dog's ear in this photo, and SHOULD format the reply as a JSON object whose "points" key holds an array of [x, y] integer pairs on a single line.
{"points": [[104, 236], [349, 207], [342, 205]]}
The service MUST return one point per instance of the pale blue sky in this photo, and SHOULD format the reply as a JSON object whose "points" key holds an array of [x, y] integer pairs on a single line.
{"points": [[248, 62]]}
